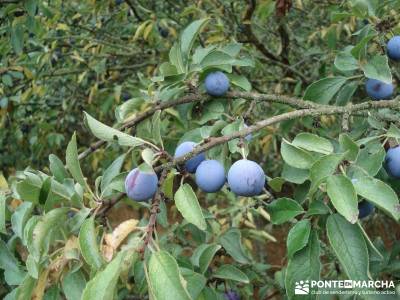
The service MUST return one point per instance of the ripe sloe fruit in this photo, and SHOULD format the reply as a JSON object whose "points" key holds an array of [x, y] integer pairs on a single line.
{"points": [[393, 48], [210, 176], [364, 209], [192, 164], [392, 162], [378, 90], [246, 178], [216, 83], [141, 185]]}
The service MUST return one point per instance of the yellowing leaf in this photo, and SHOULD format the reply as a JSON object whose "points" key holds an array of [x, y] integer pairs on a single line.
{"points": [[62, 26], [115, 238]]}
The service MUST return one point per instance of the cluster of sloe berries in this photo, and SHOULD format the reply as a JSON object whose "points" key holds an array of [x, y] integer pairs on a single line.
{"points": [[245, 177], [377, 89]]}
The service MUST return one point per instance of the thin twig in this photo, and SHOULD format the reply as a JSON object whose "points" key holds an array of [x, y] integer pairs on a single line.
{"points": [[154, 210]]}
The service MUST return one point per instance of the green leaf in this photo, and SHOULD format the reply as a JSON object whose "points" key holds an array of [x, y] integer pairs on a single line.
{"points": [[312, 142], [203, 256], [176, 58], [364, 8], [296, 157], [156, 128], [41, 232], [73, 285], [304, 265], [17, 38], [25, 290], [230, 272], [20, 217], [165, 280], [111, 172], [31, 6], [322, 91], [346, 93], [109, 134], [188, 36], [195, 282], [349, 146], [283, 210], [380, 194], [393, 131], [345, 61], [29, 188], [298, 237], [343, 197], [371, 160], [188, 205], [88, 244], [317, 207], [240, 81], [294, 175], [360, 49], [72, 161], [322, 168], [231, 240], [102, 286], [13, 273], [217, 59], [168, 185], [349, 246], [378, 68], [276, 183], [57, 168]]}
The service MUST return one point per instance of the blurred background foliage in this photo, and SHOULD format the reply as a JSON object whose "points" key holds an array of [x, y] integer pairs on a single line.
{"points": [[58, 58]]}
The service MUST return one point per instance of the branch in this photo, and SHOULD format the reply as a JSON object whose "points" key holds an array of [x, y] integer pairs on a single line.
{"points": [[356, 109], [133, 8], [250, 34], [194, 97], [154, 210], [253, 39], [322, 110]]}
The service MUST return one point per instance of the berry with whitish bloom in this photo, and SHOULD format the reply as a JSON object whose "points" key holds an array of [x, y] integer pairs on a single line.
{"points": [[378, 90], [392, 162], [141, 185], [393, 48], [216, 83], [246, 178], [210, 176], [192, 164]]}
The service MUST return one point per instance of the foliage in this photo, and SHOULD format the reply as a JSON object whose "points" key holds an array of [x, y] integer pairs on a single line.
{"points": [[102, 87]]}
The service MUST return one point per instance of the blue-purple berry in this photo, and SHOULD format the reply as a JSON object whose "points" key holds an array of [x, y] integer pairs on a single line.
{"points": [[192, 164], [141, 185], [210, 176], [216, 84], [246, 178]]}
